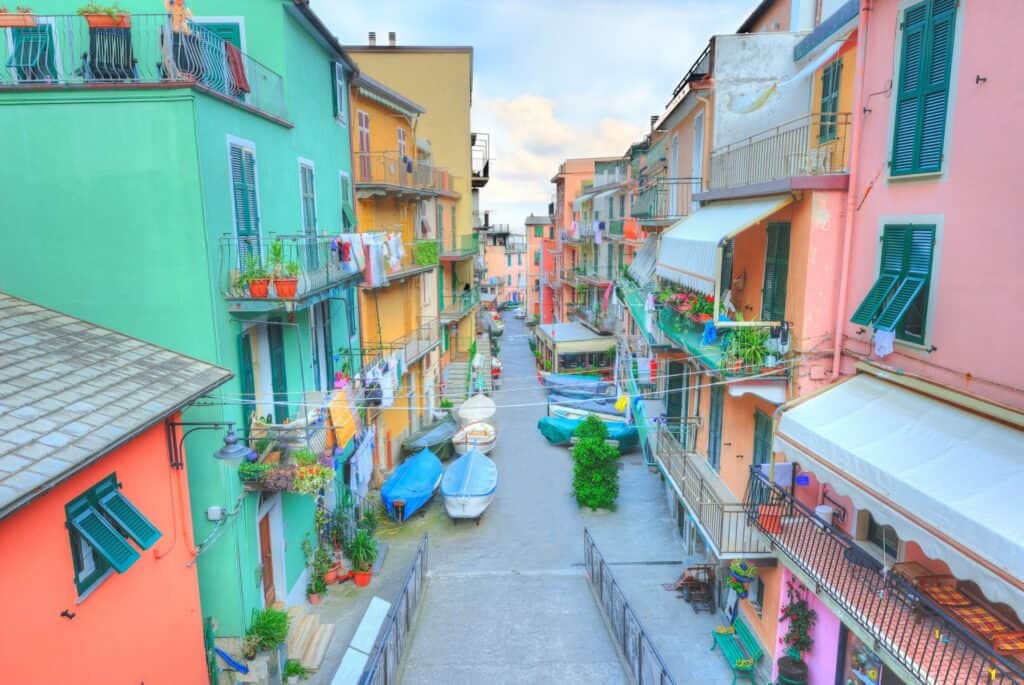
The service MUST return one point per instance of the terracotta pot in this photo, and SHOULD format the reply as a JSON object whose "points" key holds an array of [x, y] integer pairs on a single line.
{"points": [[16, 20], [332, 574], [105, 21], [286, 287], [313, 598], [362, 578], [259, 288]]}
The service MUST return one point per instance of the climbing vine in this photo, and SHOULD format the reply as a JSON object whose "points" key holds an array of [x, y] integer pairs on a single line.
{"points": [[801, 617]]}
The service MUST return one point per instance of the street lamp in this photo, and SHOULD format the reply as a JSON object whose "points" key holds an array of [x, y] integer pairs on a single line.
{"points": [[232, 451]]}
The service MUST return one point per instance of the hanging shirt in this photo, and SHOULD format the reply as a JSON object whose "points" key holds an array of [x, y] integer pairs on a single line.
{"points": [[884, 343], [387, 387]]}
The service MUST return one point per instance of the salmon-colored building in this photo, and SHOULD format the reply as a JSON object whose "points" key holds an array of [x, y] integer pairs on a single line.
{"points": [[505, 266], [538, 230], [95, 524]]}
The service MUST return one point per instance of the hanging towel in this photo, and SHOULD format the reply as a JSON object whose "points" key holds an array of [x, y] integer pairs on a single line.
{"points": [[239, 82], [597, 233], [607, 296], [387, 387], [883, 343]]}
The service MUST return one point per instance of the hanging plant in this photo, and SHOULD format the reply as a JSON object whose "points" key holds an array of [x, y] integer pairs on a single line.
{"points": [[740, 574], [310, 480], [800, 616]]}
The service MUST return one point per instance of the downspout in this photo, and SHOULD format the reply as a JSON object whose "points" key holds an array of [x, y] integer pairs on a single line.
{"points": [[851, 195]]}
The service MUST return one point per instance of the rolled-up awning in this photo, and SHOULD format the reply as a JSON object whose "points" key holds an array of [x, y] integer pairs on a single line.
{"points": [[942, 476], [689, 250], [641, 269]]}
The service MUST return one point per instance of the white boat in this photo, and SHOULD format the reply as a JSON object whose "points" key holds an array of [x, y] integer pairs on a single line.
{"points": [[480, 435], [468, 485], [477, 408]]}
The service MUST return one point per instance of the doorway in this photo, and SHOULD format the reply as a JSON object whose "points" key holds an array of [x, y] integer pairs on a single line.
{"points": [[270, 529], [267, 562]]}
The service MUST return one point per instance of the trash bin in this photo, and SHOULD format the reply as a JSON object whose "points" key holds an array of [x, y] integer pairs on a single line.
{"points": [[824, 512]]}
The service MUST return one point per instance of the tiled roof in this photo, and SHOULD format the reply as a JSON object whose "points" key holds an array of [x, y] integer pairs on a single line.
{"points": [[71, 391]]}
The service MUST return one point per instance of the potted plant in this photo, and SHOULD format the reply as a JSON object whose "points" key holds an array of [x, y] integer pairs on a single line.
{"points": [[326, 566], [99, 16], [800, 618], [316, 588], [284, 274], [22, 17], [294, 672], [311, 479], [255, 276], [252, 472], [740, 575], [363, 552]]}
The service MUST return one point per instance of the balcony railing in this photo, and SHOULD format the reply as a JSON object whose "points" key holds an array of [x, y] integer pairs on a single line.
{"points": [[456, 248], [419, 341], [417, 256], [252, 280], [919, 635], [664, 200], [602, 322], [456, 305], [63, 50], [515, 244], [395, 171], [721, 515], [813, 145], [756, 352]]}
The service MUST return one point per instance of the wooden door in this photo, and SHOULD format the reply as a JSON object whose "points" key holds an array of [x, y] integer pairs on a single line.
{"points": [[267, 561]]}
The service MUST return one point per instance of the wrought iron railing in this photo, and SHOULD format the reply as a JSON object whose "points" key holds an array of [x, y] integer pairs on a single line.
{"points": [[725, 522], [664, 199], [812, 145], [454, 306], [385, 660], [930, 643], [645, 665], [65, 50]]}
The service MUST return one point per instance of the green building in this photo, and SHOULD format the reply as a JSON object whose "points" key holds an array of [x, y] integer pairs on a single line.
{"points": [[148, 166]]}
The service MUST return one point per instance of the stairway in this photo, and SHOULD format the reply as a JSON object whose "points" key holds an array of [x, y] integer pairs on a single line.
{"points": [[483, 353], [457, 384], [308, 638]]}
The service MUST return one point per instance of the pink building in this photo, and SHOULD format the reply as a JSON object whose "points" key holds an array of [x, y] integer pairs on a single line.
{"points": [[538, 229], [505, 261]]}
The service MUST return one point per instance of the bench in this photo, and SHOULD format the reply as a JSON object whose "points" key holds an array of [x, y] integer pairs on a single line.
{"points": [[739, 647]]}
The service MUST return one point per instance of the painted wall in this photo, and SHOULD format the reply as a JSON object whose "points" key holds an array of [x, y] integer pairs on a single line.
{"points": [[974, 282], [776, 18], [822, 659], [159, 591], [502, 267]]}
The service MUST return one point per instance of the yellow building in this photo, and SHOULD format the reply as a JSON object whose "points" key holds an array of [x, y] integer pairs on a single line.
{"points": [[440, 78], [394, 188]]}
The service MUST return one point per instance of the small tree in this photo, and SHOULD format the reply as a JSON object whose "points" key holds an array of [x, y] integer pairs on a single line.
{"points": [[595, 480], [801, 618]]}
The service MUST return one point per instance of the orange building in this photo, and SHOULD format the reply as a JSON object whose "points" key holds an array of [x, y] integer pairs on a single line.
{"points": [[538, 230], [95, 524]]}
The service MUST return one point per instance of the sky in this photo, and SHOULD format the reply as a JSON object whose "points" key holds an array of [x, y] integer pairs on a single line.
{"points": [[552, 79]]}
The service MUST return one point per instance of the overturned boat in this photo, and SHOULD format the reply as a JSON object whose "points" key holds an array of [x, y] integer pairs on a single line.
{"points": [[576, 385], [436, 437], [579, 408], [411, 485], [477, 408], [559, 431], [469, 485]]}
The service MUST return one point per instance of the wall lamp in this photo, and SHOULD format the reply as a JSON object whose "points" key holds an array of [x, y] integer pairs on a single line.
{"points": [[232, 451]]}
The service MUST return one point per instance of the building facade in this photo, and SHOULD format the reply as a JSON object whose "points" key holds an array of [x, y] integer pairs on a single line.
{"points": [[538, 230]]}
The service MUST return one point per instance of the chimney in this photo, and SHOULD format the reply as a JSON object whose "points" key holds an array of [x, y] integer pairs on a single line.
{"points": [[373, 39], [654, 120], [391, 38]]}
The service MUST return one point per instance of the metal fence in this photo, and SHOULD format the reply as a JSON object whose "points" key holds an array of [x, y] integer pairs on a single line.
{"points": [[645, 663], [664, 199], [386, 657], [66, 50]]}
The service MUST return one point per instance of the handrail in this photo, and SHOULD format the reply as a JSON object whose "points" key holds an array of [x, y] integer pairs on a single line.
{"points": [[641, 655], [383, 665], [902, 620]]}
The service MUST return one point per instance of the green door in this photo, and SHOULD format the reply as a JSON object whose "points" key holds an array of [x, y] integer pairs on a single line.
{"points": [[684, 428], [245, 377], [279, 381], [762, 438], [715, 426], [675, 394], [776, 269]]}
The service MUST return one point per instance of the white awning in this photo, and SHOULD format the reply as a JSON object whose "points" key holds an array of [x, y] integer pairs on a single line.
{"points": [[689, 252], [642, 267], [945, 478]]}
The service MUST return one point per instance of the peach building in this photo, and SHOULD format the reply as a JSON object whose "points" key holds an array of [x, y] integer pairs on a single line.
{"points": [[505, 267]]}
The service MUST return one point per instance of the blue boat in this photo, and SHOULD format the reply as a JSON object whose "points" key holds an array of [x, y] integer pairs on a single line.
{"points": [[575, 385], [412, 483], [579, 408], [559, 431], [468, 485]]}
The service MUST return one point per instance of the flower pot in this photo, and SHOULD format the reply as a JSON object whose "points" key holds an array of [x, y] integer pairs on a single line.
{"points": [[313, 598], [362, 578], [105, 21], [286, 287], [791, 671], [259, 288], [332, 574], [10, 20]]}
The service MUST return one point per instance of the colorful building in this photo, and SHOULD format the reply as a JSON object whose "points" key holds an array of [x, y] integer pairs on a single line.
{"points": [[538, 230], [219, 162], [95, 521], [558, 286], [505, 267]]}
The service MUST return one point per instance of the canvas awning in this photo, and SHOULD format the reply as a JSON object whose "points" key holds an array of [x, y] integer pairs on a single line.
{"points": [[689, 252], [641, 269], [944, 477]]}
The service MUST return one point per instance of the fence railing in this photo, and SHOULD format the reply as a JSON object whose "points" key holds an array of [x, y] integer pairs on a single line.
{"points": [[646, 667], [664, 199], [385, 660], [515, 245], [602, 322], [402, 171], [917, 633], [725, 522], [456, 305], [812, 145], [66, 50], [461, 246]]}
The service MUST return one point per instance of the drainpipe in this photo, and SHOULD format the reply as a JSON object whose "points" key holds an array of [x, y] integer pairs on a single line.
{"points": [[851, 195]]}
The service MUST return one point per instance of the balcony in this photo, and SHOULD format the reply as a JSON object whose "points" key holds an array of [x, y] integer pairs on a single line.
{"points": [[257, 275], [635, 300], [600, 322], [593, 276], [808, 153], [63, 51], [457, 305], [480, 148], [515, 244], [460, 248], [417, 257], [379, 174], [418, 342], [720, 515], [663, 201], [916, 636]]}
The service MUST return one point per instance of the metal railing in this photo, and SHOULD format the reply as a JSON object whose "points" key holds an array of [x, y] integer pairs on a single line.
{"points": [[643, 659], [385, 660], [393, 169], [454, 306], [314, 260], [461, 246], [64, 50], [725, 522], [602, 322], [917, 633], [664, 199], [812, 145], [515, 245]]}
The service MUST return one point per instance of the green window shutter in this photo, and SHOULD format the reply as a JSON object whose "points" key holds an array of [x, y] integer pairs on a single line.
{"points": [[243, 181], [340, 91], [899, 298], [905, 294], [508, 260], [328, 336], [776, 269], [908, 92], [129, 519], [245, 376], [830, 80], [536, 258], [538, 231], [728, 251], [308, 187], [762, 438], [675, 396], [919, 251], [876, 297], [936, 85], [33, 54], [684, 427], [105, 541], [278, 377], [715, 426]]}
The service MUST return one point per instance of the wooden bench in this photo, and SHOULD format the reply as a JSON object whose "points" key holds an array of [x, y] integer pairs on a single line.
{"points": [[739, 647]]}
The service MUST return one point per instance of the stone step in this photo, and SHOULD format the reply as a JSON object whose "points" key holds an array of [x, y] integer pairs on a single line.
{"points": [[314, 654], [301, 635]]}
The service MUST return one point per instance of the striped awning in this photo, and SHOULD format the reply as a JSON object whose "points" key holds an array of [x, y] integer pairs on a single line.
{"points": [[641, 269]]}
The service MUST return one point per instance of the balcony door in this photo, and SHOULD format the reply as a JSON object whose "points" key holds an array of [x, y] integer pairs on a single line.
{"points": [[697, 166], [322, 346], [715, 426]]}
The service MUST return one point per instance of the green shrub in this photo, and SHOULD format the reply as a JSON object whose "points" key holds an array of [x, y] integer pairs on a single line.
{"points": [[269, 628], [591, 427], [294, 668], [595, 473], [425, 252]]}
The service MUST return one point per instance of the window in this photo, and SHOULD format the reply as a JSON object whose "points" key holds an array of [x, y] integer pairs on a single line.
{"points": [[728, 251], [340, 94], [519, 259], [622, 206], [551, 232], [536, 258], [922, 94], [830, 79], [611, 208], [100, 521], [538, 231], [307, 190], [278, 374], [401, 144], [762, 438], [33, 52], [508, 260], [363, 122], [508, 279], [756, 595], [348, 215], [898, 300], [884, 537], [715, 426], [245, 202], [776, 269], [454, 230]]}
